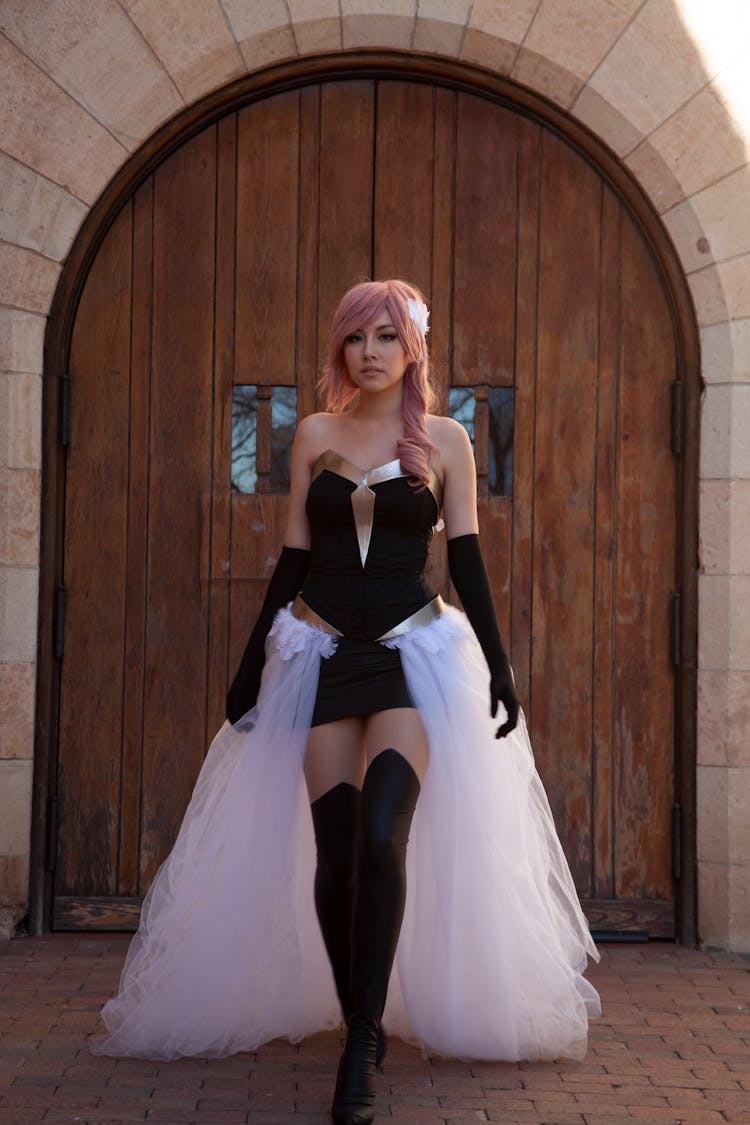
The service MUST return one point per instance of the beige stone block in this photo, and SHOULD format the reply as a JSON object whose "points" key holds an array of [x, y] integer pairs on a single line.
{"points": [[317, 36], [606, 120], [14, 880], [269, 47], [36, 213], [695, 147], [21, 340], [20, 420], [19, 592], [725, 432], [505, 20], [546, 77], [722, 291], [262, 30], [15, 801], [725, 352], [27, 279], [577, 36], [19, 526], [316, 25], [652, 69], [481, 49], [713, 224], [739, 909], [689, 237], [739, 819], [447, 11], [713, 904], [654, 175], [66, 143], [438, 37], [712, 813], [17, 694], [93, 51], [723, 718], [307, 11], [191, 40], [378, 31], [402, 8], [724, 621], [724, 532]]}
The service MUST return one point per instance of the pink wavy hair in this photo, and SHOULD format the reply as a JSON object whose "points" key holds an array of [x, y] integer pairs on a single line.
{"points": [[360, 306]]}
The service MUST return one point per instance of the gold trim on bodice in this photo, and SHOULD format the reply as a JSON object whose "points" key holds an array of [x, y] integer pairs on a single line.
{"points": [[423, 616], [363, 497]]}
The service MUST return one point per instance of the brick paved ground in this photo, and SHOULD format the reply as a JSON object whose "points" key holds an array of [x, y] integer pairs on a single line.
{"points": [[673, 1046]]}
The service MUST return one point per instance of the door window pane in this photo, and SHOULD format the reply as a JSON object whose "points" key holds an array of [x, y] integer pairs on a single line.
{"points": [[500, 403], [251, 410], [500, 467]]}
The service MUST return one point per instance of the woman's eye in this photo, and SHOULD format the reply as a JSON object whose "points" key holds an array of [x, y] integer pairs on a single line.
{"points": [[388, 336], [353, 339]]}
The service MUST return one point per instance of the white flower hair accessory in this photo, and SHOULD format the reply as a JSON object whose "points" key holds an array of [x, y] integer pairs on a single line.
{"points": [[419, 313]]}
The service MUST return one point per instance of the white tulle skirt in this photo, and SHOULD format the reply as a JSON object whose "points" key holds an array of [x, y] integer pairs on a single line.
{"points": [[493, 947]]}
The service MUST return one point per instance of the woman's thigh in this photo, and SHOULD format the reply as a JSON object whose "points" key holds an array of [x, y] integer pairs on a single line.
{"points": [[335, 753], [401, 729]]}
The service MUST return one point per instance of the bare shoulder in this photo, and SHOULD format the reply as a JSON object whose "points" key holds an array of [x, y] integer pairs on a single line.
{"points": [[451, 440], [313, 425], [312, 435]]}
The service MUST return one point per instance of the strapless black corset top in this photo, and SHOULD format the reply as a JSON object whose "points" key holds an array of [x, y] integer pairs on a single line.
{"points": [[370, 534]]}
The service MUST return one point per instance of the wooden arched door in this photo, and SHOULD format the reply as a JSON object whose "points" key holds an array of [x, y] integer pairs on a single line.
{"points": [[196, 343]]}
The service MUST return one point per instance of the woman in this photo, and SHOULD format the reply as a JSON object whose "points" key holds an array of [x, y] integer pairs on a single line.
{"points": [[376, 691]]}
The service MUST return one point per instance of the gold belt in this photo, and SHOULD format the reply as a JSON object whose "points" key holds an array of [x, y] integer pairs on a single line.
{"points": [[430, 612]]}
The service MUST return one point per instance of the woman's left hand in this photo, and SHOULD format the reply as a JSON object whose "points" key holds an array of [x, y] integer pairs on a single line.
{"points": [[502, 690]]}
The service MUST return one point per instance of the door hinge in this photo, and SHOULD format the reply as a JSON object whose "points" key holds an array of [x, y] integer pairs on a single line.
{"points": [[64, 414], [61, 605], [52, 833], [676, 629], [678, 415], [677, 841]]}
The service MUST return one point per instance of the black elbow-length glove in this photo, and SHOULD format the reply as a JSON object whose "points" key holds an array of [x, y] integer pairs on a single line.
{"points": [[285, 582], [469, 578]]}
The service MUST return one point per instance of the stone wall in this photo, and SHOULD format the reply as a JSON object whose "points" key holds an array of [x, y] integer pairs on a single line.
{"points": [[665, 83]]}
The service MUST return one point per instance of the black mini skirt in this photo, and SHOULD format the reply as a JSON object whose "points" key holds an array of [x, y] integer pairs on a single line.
{"points": [[361, 677]]}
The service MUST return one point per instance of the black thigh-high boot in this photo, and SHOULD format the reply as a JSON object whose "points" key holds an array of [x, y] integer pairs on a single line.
{"points": [[335, 818], [389, 797]]}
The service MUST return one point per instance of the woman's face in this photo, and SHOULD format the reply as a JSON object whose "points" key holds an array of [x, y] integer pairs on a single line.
{"points": [[374, 356]]}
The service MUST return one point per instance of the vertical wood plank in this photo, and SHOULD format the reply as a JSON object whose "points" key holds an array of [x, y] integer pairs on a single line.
{"points": [[226, 238], [136, 609], [404, 183], [347, 124], [254, 555], [644, 684], [494, 529], [529, 173], [179, 490], [440, 339], [267, 198], [485, 244], [562, 606], [309, 361], [88, 782], [603, 732], [443, 201]]}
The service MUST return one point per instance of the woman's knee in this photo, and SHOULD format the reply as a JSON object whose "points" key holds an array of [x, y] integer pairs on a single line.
{"points": [[389, 796]]}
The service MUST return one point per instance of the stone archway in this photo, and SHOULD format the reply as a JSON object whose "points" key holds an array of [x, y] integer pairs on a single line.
{"points": [[654, 82]]}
